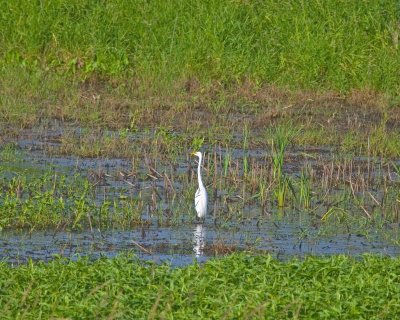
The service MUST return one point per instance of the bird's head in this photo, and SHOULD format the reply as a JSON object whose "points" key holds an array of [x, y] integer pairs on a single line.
{"points": [[197, 154]]}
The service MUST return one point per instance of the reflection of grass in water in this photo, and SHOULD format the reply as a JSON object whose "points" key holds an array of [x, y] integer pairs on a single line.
{"points": [[235, 287]]}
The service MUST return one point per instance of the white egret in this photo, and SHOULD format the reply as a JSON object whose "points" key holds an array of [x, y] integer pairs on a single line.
{"points": [[200, 199]]}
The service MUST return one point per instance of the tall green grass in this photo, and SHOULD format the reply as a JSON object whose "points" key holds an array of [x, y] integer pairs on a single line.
{"points": [[322, 45], [32, 200], [281, 138], [235, 287]]}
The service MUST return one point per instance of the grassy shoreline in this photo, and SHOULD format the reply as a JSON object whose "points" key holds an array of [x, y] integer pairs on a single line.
{"points": [[338, 46], [238, 286], [360, 122], [332, 69]]}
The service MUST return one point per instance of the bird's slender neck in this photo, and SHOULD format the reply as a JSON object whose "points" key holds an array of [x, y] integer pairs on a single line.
{"points": [[199, 173]]}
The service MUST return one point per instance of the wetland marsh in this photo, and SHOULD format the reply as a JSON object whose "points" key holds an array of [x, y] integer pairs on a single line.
{"points": [[281, 200], [296, 109]]}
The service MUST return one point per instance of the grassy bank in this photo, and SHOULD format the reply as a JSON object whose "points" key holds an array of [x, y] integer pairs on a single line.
{"points": [[239, 286], [220, 65], [339, 45]]}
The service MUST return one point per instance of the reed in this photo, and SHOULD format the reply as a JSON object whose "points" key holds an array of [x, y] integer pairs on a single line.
{"points": [[281, 137]]}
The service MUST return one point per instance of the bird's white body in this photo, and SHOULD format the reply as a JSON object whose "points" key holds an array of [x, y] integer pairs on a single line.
{"points": [[200, 199]]}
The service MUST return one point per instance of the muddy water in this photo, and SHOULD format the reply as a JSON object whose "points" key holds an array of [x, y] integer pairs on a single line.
{"points": [[284, 236]]}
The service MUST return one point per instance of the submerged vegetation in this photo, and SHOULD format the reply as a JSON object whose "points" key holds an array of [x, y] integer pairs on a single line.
{"points": [[239, 286]]}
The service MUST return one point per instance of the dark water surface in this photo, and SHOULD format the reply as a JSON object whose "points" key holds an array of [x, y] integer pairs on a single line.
{"points": [[182, 245]]}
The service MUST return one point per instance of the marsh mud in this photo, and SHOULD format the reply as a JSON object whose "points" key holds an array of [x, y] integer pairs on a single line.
{"points": [[233, 224]]}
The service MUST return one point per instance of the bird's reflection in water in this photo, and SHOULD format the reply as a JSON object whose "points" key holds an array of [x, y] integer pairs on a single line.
{"points": [[199, 237]]}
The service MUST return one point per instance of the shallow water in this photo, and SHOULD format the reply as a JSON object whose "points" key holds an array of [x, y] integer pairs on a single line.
{"points": [[181, 244]]}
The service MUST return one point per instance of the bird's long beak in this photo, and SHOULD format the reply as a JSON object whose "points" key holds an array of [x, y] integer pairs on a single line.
{"points": [[193, 153]]}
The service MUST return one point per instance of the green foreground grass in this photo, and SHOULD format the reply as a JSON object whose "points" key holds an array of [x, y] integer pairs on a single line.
{"points": [[234, 287]]}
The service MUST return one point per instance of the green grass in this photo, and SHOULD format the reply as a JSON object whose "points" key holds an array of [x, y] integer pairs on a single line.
{"points": [[37, 199], [234, 287], [335, 45], [185, 74], [281, 138], [341, 190], [106, 64]]}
